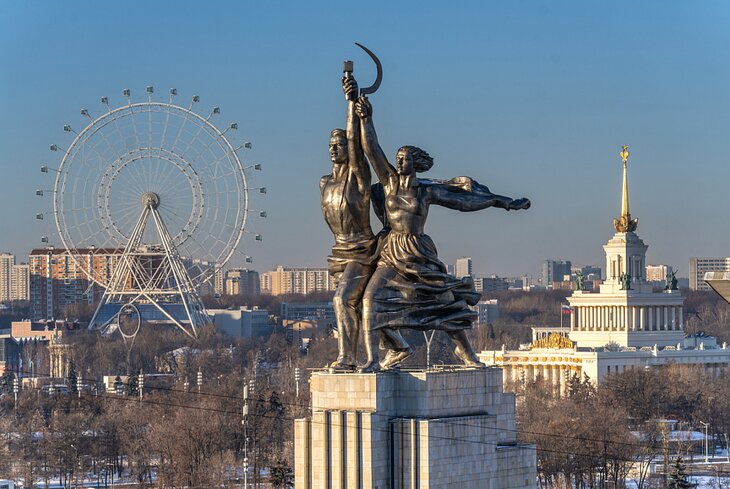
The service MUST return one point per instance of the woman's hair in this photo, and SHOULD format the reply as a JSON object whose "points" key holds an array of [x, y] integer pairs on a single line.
{"points": [[422, 161], [340, 133]]}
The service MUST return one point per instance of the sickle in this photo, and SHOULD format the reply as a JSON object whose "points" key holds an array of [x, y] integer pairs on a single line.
{"points": [[374, 87]]}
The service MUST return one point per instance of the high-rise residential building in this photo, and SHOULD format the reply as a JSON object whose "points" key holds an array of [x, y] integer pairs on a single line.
{"points": [[555, 271], [7, 261], [657, 273], [14, 279], [488, 311], [219, 281], [296, 281], [57, 280], [20, 282], [242, 281], [699, 266], [463, 267]]}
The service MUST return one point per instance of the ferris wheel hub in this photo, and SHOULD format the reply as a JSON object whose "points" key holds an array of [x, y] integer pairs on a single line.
{"points": [[151, 200]]}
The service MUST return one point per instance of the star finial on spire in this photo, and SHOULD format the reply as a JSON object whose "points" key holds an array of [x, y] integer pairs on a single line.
{"points": [[624, 223], [625, 154]]}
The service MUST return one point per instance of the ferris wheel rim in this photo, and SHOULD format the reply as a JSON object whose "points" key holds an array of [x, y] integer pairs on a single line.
{"points": [[241, 182]]}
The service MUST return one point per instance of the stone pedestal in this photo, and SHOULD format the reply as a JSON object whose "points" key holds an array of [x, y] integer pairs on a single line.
{"points": [[411, 429]]}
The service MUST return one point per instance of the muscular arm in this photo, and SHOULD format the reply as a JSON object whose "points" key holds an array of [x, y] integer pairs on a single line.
{"points": [[356, 158], [478, 199], [373, 151]]}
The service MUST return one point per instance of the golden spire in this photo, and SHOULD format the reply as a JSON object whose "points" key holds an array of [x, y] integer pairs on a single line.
{"points": [[624, 223]]}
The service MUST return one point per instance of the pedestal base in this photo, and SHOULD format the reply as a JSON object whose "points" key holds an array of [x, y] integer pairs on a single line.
{"points": [[411, 429]]}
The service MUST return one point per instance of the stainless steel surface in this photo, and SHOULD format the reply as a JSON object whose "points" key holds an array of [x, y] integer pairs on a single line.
{"points": [[395, 280]]}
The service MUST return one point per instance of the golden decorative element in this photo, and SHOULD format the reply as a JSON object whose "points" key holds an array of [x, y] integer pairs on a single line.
{"points": [[624, 223], [625, 154], [553, 341]]}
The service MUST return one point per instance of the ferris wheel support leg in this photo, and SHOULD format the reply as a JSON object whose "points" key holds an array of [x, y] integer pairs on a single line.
{"points": [[184, 286], [120, 271]]}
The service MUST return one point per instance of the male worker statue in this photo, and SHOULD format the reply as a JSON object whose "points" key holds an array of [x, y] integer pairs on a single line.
{"points": [[346, 209]]}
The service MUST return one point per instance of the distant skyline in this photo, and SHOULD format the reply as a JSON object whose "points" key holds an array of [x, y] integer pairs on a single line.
{"points": [[532, 98]]}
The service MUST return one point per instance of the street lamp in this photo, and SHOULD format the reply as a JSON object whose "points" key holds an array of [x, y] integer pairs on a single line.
{"points": [[15, 390], [244, 422], [296, 380], [707, 444]]}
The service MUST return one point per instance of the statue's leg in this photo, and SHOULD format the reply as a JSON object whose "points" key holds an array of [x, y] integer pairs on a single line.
{"points": [[346, 303], [369, 314], [398, 349], [464, 349]]}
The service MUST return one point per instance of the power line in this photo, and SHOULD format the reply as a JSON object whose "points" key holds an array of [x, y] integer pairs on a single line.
{"points": [[108, 396]]}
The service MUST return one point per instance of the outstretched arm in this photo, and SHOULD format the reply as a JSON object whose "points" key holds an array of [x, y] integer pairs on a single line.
{"points": [[356, 158], [475, 199], [370, 143]]}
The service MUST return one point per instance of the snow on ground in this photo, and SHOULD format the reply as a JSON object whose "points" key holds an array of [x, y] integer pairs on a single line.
{"points": [[704, 482]]}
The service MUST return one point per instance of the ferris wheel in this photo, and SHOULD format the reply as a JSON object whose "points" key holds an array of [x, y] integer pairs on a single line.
{"points": [[162, 190]]}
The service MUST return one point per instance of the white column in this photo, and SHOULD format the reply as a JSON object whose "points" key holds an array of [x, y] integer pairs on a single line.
{"points": [[572, 318], [650, 314], [593, 318], [634, 317], [580, 317], [612, 310], [681, 317], [641, 318], [658, 318], [589, 313]]}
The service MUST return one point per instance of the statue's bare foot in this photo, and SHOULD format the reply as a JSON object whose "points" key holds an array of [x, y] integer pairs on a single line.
{"points": [[469, 358], [342, 365], [395, 358], [371, 366]]}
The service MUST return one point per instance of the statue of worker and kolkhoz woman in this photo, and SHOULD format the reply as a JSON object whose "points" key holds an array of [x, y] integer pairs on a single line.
{"points": [[392, 280]]}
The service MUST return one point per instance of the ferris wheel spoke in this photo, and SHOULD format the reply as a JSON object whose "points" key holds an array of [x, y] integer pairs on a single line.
{"points": [[185, 119], [135, 177], [126, 219]]}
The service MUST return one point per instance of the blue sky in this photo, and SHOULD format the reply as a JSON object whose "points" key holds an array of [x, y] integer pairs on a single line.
{"points": [[531, 98]]}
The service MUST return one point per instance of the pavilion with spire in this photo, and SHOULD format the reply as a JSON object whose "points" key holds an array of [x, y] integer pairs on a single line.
{"points": [[626, 312], [626, 324]]}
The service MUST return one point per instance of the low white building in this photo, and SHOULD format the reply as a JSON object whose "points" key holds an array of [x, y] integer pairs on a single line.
{"points": [[624, 325], [243, 322]]}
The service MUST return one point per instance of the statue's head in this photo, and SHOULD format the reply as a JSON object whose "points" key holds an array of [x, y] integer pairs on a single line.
{"points": [[410, 159], [338, 146]]}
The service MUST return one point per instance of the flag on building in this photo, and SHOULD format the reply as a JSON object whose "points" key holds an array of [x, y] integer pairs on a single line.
{"points": [[566, 309]]}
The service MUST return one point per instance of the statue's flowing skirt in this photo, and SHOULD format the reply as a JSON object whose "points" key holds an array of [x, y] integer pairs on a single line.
{"points": [[421, 295]]}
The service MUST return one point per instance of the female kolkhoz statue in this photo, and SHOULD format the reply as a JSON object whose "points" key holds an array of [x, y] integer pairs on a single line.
{"points": [[410, 287]]}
